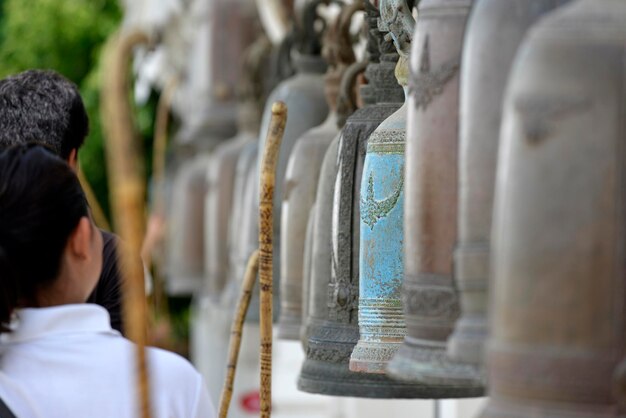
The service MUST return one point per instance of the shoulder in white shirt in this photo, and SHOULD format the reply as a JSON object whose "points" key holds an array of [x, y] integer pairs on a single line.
{"points": [[67, 361]]}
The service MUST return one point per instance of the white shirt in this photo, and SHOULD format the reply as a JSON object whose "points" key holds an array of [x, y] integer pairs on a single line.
{"points": [[66, 361]]}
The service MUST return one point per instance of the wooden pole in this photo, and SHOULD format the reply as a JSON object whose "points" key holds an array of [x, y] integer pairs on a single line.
{"points": [[127, 188], [266, 226], [236, 332]]}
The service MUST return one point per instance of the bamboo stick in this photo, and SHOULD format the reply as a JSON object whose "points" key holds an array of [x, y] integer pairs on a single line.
{"points": [[266, 226], [127, 188], [236, 332], [96, 209]]}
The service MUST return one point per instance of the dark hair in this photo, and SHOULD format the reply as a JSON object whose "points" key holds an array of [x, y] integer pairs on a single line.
{"points": [[41, 202], [42, 106]]}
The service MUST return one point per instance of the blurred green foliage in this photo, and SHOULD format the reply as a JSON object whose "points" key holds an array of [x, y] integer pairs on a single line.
{"points": [[68, 36]]}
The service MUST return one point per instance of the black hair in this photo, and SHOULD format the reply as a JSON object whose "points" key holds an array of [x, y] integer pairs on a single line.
{"points": [[41, 203], [42, 106]]}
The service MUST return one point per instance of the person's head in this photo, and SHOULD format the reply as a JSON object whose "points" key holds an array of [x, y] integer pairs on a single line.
{"points": [[50, 251], [43, 106]]}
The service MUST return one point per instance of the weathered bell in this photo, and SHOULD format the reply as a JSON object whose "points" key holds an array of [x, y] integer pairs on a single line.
{"points": [[557, 324], [302, 174], [304, 96], [431, 304], [484, 71], [381, 320], [222, 169], [206, 107], [213, 305], [244, 231], [185, 244], [332, 326], [206, 102]]}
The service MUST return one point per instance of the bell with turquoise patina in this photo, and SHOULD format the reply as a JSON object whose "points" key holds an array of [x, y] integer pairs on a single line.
{"points": [[302, 175], [381, 320], [484, 72], [332, 326], [558, 255], [430, 301]]}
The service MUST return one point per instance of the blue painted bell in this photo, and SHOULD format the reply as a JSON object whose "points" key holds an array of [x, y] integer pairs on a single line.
{"points": [[332, 326], [302, 175], [381, 269], [559, 285]]}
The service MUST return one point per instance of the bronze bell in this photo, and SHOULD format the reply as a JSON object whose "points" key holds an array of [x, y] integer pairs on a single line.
{"points": [[185, 243], [304, 96], [302, 175], [206, 106], [430, 300], [221, 177], [206, 102], [212, 307], [557, 324], [332, 326], [484, 73]]}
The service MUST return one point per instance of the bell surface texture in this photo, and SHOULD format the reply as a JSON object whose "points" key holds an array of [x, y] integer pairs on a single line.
{"points": [[430, 301], [380, 316], [332, 322], [301, 177], [484, 72], [557, 324]]}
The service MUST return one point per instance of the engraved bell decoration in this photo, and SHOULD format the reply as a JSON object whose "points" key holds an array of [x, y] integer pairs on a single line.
{"points": [[302, 175], [331, 325], [304, 96], [381, 320], [431, 304], [484, 72], [557, 324]]}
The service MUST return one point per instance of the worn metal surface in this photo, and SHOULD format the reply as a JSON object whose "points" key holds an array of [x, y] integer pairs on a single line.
{"points": [[302, 175], [430, 301], [333, 328], [484, 72], [558, 315]]}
